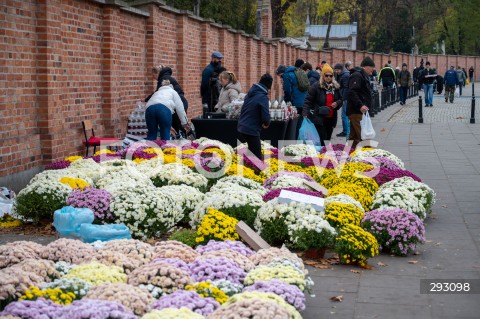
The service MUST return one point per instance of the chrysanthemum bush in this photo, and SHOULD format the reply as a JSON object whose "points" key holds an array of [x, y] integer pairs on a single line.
{"points": [[237, 246], [355, 245], [299, 150], [167, 278], [290, 293], [68, 250], [371, 154], [232, 255], [56, 295], [215, 269], [77, 286], [187, 299], [39, 200], [134, 249], [187, 197], [396, 230], [177, 174], [216, 225], [207, 289], [230, 181], [98, 200], [114, 258], [147, 211], [276, 193], [43, 268], [252, 308], [17, 251], [101, 309], [228, 287], [311, 231], [339, 214], [74, 182], [174, 249], [357, 192], [172, 313], [287, 274], [40, 308], [96, 273]]}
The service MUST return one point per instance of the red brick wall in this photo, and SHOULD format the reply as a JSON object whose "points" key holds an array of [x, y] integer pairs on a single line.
{"points": [[64, 61]]}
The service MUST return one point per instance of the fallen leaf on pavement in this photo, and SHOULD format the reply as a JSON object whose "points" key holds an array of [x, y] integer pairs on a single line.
{"points": [[444, 206], [410, 142], [459, 118], [413, 262], [337, 298], [355, 271], [382, 130], [382, 264], [428, 241]]}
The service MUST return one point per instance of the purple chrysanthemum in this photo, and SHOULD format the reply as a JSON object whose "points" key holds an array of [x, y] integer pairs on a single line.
{"points": [[216, 269], [178, 263], [58, 165], [276, 192], [290, 293], [187, 299], [98, 200], [237, 246], [40, 308], [385, 175]]}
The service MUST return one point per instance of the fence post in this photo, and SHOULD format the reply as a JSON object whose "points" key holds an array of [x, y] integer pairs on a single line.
{"points": [[420, 111], [472, 115], [376, 102]]}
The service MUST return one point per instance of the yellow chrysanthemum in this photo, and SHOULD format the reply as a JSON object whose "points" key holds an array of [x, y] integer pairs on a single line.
{"points": [[74, 182], [103, 152], [216, 225], [72, 159], [205, 289]]}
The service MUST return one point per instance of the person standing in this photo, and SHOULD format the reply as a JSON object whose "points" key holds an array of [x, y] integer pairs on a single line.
{"points": [[404, 81], [205, 88], [255, 115], [343, 76], [427, 77], [470, 74], [461, 78], [163, 103], [313, 76], [231, 89], [387, 77], [359, 97], [325, 92], [451, 80]]}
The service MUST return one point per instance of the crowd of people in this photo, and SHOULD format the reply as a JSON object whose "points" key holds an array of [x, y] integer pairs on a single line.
{"points": [[316, 94]]}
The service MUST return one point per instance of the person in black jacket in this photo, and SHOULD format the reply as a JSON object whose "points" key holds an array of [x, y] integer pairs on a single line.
{"points": [[343, 74], [387, 77], [205, 86], [324, 93], [359, 97], [255, 115], [165, 74], [426, 77]]}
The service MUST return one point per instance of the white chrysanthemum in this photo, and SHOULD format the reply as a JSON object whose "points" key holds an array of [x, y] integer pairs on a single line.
{"points": [[238, 181], [299, 150], [343, 199], [187, 196], [363, 155]]}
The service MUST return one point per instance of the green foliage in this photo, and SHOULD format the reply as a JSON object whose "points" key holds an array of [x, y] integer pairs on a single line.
{"points": [[186, 236]]}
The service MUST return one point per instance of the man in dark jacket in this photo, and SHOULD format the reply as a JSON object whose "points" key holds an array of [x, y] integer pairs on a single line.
{"points": [[313, 76], [359, 97], [343, 74], [387, 77], [255, 115], [404, 81], [205, 89], [426, 77], [451, 80]]}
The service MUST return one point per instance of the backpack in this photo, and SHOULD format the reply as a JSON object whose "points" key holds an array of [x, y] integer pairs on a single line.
{"points": [[302, 79]]}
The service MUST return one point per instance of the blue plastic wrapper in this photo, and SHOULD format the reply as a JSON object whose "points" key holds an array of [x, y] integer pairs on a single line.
{"points": [[90, 233], [308, 132], [68, 219]]}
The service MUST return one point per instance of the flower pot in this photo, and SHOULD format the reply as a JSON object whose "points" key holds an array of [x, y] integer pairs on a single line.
{"points": [[315, 253]]}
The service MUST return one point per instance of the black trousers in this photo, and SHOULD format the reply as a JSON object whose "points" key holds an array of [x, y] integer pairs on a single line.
{"points": [[254, 144], [326, 129]]}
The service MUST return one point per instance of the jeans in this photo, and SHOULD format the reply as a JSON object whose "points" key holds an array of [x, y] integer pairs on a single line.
{"points": [[254, 144], [345, 120], [403, 93], [460, 85], [428, 89], [470, 78], [158, 115]]}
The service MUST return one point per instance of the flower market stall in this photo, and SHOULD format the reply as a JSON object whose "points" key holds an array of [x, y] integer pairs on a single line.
{"points": [[196, 193]]}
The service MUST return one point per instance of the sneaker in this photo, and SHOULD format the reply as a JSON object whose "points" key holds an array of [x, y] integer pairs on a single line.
{"points": [[341, 134]]}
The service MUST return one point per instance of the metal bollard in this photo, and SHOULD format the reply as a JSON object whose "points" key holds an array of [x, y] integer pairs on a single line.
{"points": [[376, 102], [472, 115], [420, 111]]}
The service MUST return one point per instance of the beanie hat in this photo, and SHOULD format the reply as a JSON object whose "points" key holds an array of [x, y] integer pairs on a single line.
{"points": [[404, 64], [338, 66], [281, 69], [266, 80], [327, 69], [299, 63], [367, 62]]}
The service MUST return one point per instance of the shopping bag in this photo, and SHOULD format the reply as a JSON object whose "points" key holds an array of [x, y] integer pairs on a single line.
{"points": [[457, 92], [366, 126], [308, 132], [467, 82]]}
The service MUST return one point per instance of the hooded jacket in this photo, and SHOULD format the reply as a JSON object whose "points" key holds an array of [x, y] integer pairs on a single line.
{"points": [[290, 88], [254, 111], [228, 93], [313, 76], [461, 76], [343, 81], [450, 78], [166, 74], [167, 96], [359, 91]]}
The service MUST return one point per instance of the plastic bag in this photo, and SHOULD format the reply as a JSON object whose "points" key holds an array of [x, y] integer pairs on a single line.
{"points": [[366, 126], [7, 197], [457, 92], [90, 233], [67, 220], [308, 132]]}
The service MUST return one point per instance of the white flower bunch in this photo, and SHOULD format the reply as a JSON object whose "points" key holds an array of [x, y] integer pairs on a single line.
{"points": [[87, 168], [229, 198], [266, 256], [285, 181], [307, 223], [363, 155], [175, 174], [63, 267], [52, 176], [155, 291], [238, 181], [265, 146], [299, 150], [145, 210], [188, 197], [343, 199], [398, 197], [76, 285], [228, 287], [147, 167], [121, 175]]}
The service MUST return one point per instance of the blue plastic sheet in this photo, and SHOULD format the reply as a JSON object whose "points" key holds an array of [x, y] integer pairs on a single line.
{"points": [[68, 219], [90, 233]]}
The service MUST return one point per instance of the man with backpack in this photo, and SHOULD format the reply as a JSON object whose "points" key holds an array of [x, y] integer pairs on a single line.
{"points": [[404, 81], [295, 86]]}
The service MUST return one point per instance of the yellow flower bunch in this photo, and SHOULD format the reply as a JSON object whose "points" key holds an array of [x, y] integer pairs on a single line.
{"points": [[355, 245], [54, 294], [8, 221], [139, 160], [357, 192], [96, 273], [72, 159], [366, 183], [274, 165], [188, 162], [240, 170], [103, 152], [216, 225], [339, 214], [366, 148], [216, 152], [352, 167], [169, 158], [206, 289], [74, 182], [170, 151], [153, 150]]}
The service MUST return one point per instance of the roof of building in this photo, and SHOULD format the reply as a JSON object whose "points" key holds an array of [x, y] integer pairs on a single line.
{"points": [[336, 31]]}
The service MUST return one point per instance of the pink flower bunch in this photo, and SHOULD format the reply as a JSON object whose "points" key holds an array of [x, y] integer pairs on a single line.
{"points": [[187, 299], [215, 269], [386, 175], [276, 192], [290, 293], [237, 246], [58, 165]]}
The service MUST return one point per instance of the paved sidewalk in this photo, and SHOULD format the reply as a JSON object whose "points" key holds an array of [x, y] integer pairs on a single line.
{"points": [[445, 154]]}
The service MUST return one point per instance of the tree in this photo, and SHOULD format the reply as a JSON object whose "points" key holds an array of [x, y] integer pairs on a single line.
{"points": [[279, 10]]}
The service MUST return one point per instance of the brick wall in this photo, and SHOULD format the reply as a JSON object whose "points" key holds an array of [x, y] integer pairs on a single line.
{"points": [[64, 61]]}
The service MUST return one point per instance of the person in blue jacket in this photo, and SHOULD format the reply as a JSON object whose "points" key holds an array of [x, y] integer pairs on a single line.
{"points": [[451, 80], [313, 76], [205, 89], [255, 115], [291, 91]]}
